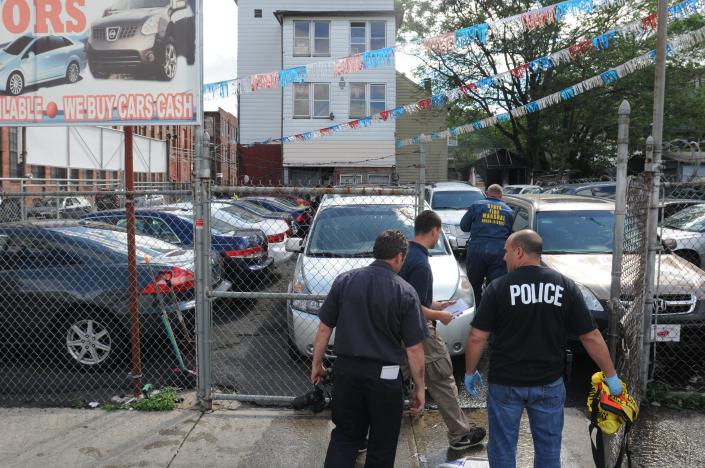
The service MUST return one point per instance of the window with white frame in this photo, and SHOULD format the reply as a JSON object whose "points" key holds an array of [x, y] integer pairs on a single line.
{"points": [[350, 179], [361, 40], [378, 179], [311, 38], [367, 99], [310, 97]]}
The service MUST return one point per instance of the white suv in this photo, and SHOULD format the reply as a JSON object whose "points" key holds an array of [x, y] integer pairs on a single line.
{"points": [[451, 201]]}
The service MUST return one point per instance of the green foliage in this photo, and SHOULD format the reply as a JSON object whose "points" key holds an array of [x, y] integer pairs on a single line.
{"points": [[662, 394], [577, 134], [164, 400]]}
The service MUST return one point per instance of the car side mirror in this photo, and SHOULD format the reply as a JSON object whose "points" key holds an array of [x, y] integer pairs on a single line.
{"points": [[29, 55], [294, 244], [669, 244]]}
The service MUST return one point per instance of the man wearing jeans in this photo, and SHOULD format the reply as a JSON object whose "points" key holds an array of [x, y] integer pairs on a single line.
{"points": [[529, 312]]}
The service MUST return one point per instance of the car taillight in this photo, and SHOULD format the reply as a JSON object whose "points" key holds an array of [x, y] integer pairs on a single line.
{"points": [[276, 238], [249, 252], [176, 280], [301, 218]]}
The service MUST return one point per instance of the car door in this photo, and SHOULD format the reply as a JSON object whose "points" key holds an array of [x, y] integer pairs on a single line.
{"points": [[30, 63], [45, 60], [56, 57]]}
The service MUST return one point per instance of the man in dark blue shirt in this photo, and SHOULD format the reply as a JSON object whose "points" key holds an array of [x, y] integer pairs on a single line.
{"points": [[373, 312], [489, 223], [440, 381]]}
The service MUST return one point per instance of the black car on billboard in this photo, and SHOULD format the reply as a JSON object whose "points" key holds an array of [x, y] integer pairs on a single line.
{"points": [[143, 38]]}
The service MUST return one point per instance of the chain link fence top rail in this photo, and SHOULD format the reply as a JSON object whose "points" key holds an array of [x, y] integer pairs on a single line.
{"points": [[263, 335], [65, 302], [680, 310]]}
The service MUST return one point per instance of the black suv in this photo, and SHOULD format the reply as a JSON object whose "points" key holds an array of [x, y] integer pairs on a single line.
{"points": [[143, 38]]}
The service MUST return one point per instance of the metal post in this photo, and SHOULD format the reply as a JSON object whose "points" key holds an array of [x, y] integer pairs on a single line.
{"points": [[202, 241], [132, 266], [23, 202], [654, 167], [422, 176], [619, 215]]}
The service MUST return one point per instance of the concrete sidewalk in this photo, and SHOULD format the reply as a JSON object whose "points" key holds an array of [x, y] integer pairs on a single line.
{"points": [[232, 435]]}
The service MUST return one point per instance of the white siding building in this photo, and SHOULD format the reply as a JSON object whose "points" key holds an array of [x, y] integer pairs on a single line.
{"points": [[282, 34]]}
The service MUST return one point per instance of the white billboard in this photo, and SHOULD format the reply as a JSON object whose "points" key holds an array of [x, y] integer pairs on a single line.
{"points": [[112, 62], [93, 148]]}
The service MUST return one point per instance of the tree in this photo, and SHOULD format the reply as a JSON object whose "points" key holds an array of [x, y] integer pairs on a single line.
{"points": [[576, 134]]}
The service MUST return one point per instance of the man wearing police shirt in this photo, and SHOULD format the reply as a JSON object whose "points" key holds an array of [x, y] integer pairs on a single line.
{"points": [[529, 313], [378, 324]]}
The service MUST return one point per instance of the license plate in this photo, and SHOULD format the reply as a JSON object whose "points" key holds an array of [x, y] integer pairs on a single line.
{"points": [[670, 333]]}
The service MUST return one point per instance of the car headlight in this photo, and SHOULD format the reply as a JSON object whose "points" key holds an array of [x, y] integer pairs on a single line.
{"points": [[304, 305], [464, 291], [151, 26], [590, 299]]}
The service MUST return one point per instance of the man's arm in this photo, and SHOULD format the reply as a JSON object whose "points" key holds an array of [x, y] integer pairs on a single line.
{"points": [[320, 344], [597, 349], [436, 314], [467, 220], [415, 356], [473, 349]]}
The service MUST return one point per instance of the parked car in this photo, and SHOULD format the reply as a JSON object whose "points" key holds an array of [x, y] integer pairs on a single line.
{"points": [[596, 189], [34, 60], [341, 238], [520, 189], [66, 283], [671, 206], [108, 201], [276, 230], [451, 201], [266, 213], [154, 199], [687, 229], [301, 216], [578, 238], [10, 209], [61, 207], [142, 37], [244, 252]]}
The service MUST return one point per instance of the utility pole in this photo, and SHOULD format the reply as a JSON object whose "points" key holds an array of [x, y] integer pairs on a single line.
{"points": [[654, 167], [422, 177]]}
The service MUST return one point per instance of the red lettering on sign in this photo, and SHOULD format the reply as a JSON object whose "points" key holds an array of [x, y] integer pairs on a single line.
{"points": [[79, 18], [16, 16], [48, 11]]}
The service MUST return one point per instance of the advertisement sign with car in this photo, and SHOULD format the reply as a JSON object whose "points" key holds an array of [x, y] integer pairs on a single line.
{"points": [[115, 62]]}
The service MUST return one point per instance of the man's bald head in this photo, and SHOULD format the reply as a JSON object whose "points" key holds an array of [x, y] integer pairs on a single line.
{"points": [[495, 190], [527, 240]]}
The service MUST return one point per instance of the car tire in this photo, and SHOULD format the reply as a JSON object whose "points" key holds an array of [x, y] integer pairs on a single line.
{"points": [[98, 75], [166, 68], [91, 340], [690, 256], [73, 73], [190, 53], [15, 84]]}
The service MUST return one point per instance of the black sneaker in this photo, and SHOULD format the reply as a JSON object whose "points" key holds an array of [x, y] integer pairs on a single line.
{"points": [[472, 438]]}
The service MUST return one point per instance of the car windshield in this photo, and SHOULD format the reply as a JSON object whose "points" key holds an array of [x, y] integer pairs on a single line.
{"points": [[260, 210], [218, 226], [350, 231], [243, 214], [576, 232], [279, 205], [511, 190], [18, 45], [117, 241], [690, 219], [456, 200], [134, 4]]}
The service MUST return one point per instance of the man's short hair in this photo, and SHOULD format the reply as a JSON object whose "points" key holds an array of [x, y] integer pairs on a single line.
{"points": [[530, 241], [495, 188], [426, 221], [388, 244]]}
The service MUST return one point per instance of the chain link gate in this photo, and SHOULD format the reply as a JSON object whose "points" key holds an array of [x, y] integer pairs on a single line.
{"points": [[64, 284], [262, 332]]}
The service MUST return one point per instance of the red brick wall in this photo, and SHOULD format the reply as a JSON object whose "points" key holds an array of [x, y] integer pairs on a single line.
{"points": [[262, 163]]}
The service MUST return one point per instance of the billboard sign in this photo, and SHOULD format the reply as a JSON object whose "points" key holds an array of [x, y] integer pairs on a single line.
{"points": [[99, 62]]}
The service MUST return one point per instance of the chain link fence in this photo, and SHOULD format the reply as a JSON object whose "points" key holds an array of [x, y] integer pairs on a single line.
{"points": [[679, 318]]}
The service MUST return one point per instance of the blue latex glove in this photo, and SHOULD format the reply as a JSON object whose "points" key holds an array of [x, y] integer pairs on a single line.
{"points": [[472, 383], [614, 384]]}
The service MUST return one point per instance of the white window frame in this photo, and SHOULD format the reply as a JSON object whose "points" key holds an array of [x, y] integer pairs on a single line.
{"points": [[311, 39], [358, 179], [368, 35], [368, 98], [378, 176], [311, 101]]}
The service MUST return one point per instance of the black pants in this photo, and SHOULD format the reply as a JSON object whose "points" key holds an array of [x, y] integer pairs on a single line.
{"points": [[363, 401]]}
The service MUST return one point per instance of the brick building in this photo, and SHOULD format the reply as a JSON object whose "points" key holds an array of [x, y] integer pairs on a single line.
{"points": [[222, 128]]}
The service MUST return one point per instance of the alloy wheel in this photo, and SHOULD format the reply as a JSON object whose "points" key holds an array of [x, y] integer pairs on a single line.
{"points": [[16, 84], [88, 342], [170, 61]]}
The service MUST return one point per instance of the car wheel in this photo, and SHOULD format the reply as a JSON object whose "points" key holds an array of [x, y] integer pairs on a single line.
{"points": [[90, 340], [689, 255], [73, 72], [190, 53], [98, 75], [167, 63], [15, 84]]}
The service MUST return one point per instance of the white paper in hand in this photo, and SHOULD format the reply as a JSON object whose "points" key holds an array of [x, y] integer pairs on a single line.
{"points": [[458, 308]]}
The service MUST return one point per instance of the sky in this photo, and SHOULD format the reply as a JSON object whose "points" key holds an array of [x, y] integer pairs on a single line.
{"points": [[220, 49]]}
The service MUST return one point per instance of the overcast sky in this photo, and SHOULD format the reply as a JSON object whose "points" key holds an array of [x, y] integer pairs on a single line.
{"points": [[220, 49]]}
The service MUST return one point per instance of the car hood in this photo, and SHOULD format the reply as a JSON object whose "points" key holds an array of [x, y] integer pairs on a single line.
{"points": [[6, 58], [451, 216], [121, 17], [594, 271], [319, 273], [679, 235]]}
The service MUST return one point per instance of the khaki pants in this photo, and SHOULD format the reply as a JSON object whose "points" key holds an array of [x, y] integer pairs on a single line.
{"points": [[440, 384]]}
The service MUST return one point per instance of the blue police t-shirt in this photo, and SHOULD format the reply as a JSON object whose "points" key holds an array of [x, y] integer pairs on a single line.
{"points": [[490, 218]]}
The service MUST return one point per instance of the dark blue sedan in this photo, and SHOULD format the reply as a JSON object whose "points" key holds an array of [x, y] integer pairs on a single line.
{"points": [[244, 252], [301, 216]]}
